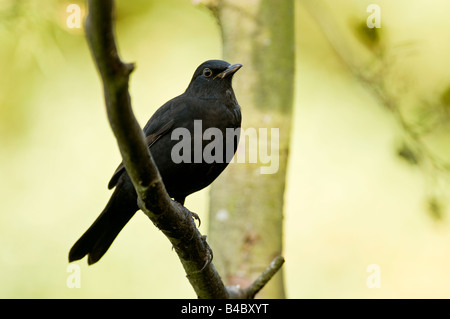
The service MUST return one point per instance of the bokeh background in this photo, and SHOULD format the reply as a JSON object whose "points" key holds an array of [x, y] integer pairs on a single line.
{"points": [[359, 192]]}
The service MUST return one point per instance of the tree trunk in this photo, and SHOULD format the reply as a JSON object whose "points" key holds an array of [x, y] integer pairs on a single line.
{"points": [[246, 202]]}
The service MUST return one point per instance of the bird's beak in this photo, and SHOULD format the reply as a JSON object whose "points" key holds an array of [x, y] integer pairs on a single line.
{"points": [[229, 71]]}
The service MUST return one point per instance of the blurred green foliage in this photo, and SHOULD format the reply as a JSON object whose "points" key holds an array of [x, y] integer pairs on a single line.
{"points": [[32, 37], [405, 152], [371, 37]]}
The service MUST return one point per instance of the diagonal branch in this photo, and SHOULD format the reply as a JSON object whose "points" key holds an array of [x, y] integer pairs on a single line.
{"points": [[171, 218]]}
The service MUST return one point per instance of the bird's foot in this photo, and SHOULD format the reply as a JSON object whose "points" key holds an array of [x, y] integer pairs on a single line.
{"points": [[209, 253], [191, 214], [195, 217]]}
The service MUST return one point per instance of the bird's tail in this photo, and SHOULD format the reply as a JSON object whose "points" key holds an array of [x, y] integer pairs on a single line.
{"points": [[97, 239]]}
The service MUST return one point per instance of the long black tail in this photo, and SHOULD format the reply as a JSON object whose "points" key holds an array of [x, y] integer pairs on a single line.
{"points": [[97, 239]]}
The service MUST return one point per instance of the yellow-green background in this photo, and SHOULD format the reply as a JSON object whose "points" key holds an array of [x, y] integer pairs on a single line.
{"points": [[350, 201]]}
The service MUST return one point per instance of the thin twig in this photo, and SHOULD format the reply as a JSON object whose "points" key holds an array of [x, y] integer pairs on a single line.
{"points": [[259, 283]]}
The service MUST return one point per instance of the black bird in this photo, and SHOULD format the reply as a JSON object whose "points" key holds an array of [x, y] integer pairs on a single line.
{"points": [[209, 98]]}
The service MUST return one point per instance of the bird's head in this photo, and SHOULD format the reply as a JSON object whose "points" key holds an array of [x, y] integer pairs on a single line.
{"points": [[212, 78]]}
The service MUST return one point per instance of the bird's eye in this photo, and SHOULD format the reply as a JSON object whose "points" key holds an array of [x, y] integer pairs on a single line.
{"points": [[207, 72]]}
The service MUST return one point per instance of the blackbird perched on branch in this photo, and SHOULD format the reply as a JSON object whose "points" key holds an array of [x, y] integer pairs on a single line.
{"points": [[208, 105]]}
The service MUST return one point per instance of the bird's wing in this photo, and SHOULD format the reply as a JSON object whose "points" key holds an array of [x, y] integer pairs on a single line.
{"points": [[150, 139]]}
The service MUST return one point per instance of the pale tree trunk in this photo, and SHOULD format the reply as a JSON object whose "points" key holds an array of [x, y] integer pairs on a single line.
{"points": [[246, 206]]}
